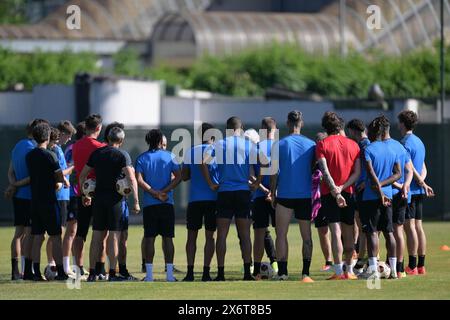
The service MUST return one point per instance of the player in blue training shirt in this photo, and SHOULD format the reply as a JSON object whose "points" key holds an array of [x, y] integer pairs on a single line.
{"points": [[291, 186], [415, 234], [154, 170], [383, 169], [202, 204]]}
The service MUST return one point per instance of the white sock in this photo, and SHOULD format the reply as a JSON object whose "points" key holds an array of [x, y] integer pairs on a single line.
{"points": [[338, 268], [393, 264], [52, 263], [373, 264], [22, 264], [66, 264], [149, 270], [349, 268], [169, 275]]}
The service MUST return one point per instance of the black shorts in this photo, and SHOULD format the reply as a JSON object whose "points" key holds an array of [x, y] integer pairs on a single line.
{"points": [[45, 218], [330, 212], [302, 207], [72, 209], [197, 211], [22, 212], [234, 203], [84, 217], [124, 217], [159, 219], [375, 217], [358, 199], [415, 208], [261, 212], [106, 215], [63, 211], [399, 207]]}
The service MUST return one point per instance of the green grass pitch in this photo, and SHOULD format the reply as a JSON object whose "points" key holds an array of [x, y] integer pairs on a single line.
{"points": [[435, 285]]}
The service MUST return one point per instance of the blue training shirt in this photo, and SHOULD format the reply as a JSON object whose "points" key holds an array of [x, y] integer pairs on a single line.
{"points": [[416, 150], [19, 164], [199, 189], [383, 160], [234, 156], [157, 167], [403, 157], [296, 155], [64, 193], [362, 146]]}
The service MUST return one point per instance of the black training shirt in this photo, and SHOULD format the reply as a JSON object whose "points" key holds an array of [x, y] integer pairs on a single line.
{"points": [[42, 165], [108, 163]]}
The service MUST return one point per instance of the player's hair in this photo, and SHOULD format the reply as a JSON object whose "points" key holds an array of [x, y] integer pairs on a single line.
{"points": [[154, 138], [269, 124], [116, 135], [67, 127], [331, 122], [93, 121], [41, 132], [54, 134], [108, 128], [341, 123], [384, 123], [375, 129], [34, 123], [234, 123], [295, 118], [357, 125], [205, 127], [81, 130], [408, 118]]}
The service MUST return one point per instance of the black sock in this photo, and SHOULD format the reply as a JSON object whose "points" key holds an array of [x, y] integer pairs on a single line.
{"points": [[112, 273], [81, 270], [37, 268], [92, 272], [306, 265], [269, 247], [98, 268], [14, 265], [400, 266], [357, 247], [328, 263], [412, 262], [190, 271], [143, 262], [282, 268], [206, 271], [421, 262], [221, 272], [102, 268], [247, 269], [60, 270], [256, 268], [123, 269], [27, 269]]}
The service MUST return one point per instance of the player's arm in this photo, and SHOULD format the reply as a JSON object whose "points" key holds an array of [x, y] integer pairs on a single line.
{"points": [[205, 172], [356, 173], [186, 173], [396, 174], [131, 177], [376, 183], [327, 176], [11, 174], [84, 174], [145, 186], [273, 188], [174, 182], [68, 171]]}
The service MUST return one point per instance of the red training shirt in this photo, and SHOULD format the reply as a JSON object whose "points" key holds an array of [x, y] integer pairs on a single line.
{"points": [[82, 150], [340, 153]]}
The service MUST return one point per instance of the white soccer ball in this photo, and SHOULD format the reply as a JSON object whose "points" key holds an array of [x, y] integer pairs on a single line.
{"points": [[88, 188], [384, 270], [123, 187], [49, 273], [266, 270]]}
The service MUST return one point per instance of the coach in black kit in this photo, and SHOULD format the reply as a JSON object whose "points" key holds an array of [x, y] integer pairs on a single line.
{"points": [[109, 163]]}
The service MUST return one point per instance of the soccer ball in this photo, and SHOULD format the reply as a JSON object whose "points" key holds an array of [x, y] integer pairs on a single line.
{"points": [[49, 273], [89, 188], [266, 270], [384, 270], [123, 187]]}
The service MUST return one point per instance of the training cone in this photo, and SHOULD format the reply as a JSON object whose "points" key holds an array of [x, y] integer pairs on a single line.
{"points": [[445, 248]]}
